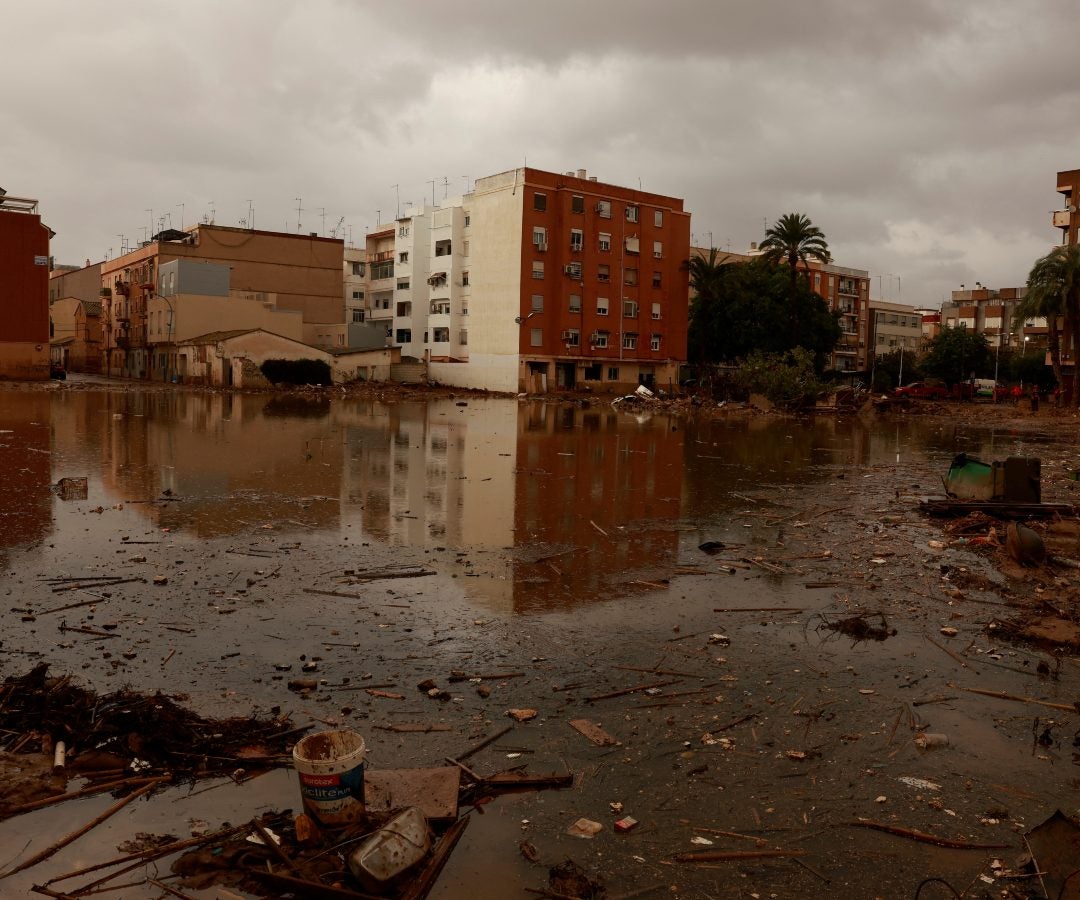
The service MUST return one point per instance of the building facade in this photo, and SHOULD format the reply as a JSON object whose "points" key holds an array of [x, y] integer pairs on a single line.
{"points": [[286, 273], [893, 327], [24, 290], [991, 312], [847, 291]]}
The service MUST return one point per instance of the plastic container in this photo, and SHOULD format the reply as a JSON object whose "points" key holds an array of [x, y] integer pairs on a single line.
{"points": [[331, 769], [928, 740], [392, 850]]}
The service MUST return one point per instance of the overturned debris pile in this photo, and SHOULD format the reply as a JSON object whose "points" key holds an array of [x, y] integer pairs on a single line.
{"points": [[123, 732]]}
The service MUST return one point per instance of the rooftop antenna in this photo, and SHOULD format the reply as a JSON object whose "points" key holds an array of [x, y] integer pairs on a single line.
{"points": [[397, 194], [431, 181], [251, 215], [710, 240], [299, 209], [151, 212], [181, 205], [322, 212], [213, 213], [378, 218], [445, 186], [350, 236]]}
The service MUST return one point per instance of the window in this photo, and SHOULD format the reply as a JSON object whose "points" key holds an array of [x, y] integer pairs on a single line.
{"points": [[404, 336], [468, 220], [464, 310], [440, 308], [655, 279], [540, 202], [442, 248], [538, 269], [425, 337], [358, 315], [603, 273], [631, 214], [592, 373], [384, 269], [358, 295], [540, 238], [440, 335], [403, 256], [536, 337], [605, 241], [658, 218], [601, 306], [658, 249], [577, 238], [577, 204], [630, 276], [405, 308], [656, 310], [572, 338], [463, 337], [358, 268], [629, 309], [633, 245], [403, 284], [600, 339], [654, 344], [629, 341], [575, 303], [403, 231], [464, 248], [465, 278], [537, 302], [573, 270], [817, 281], [603, 209], [613, 373]]}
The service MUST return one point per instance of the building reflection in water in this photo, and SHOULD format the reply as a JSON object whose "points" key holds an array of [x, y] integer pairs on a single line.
{"points": [[533, 505]]}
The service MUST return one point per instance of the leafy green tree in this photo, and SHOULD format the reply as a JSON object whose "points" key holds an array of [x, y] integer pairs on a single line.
{"points": [[955, 354], [887, 370], [743, 307], [787, 378], [1054, 292]]}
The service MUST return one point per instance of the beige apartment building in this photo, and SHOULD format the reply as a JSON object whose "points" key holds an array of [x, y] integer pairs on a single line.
{"points": [[894, 326], [274, 279]]}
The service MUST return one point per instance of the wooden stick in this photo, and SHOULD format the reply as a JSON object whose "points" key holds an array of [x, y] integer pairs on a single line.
{"points": [[456, 678], [630, 690], [143, 857], [484, 743], [72, 795], [737, 609], [925, 838], [97, 584], [657, 671], [733, 834], [272, 845], [345, 594], [75, 835], [732, 855], [57, 609], [1001, 695], [169, 890], [598, 528], [962, 662]]}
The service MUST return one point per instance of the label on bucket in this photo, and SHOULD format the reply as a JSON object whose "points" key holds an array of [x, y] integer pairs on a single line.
{"points": [[328, 788]]}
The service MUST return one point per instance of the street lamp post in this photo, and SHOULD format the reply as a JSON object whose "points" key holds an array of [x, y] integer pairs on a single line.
{"points": [[900, 376]]}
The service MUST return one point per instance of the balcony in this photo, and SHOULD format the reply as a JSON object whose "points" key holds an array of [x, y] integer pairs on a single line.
{"points": [[1062, 218]]}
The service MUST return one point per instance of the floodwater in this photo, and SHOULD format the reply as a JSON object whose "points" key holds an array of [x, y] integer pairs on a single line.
{"points": [[561, 542]]}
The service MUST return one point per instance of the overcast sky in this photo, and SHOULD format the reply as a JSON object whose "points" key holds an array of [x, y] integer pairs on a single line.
{"points": [[922, 137]]}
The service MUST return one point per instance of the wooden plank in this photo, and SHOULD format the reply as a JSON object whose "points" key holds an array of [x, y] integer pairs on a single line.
{"points": [[594, 733]]}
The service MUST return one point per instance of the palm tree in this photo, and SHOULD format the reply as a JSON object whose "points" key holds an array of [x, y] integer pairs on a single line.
{"points": [[1054, 291], [792, 240], [706, 275]]}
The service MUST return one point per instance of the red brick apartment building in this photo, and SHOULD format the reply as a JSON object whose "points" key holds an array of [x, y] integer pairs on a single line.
{"points": [[595, 294], [24, 290]]}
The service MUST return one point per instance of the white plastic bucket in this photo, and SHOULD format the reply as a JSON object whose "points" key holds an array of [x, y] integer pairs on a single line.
{"points": [[331, 769]]}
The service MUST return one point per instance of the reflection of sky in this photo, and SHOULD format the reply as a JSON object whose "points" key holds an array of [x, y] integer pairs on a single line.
{"points": [[510, 483]]}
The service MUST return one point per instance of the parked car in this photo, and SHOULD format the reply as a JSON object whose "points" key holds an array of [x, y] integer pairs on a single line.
{"points": [[923, 390], [57, 371]]}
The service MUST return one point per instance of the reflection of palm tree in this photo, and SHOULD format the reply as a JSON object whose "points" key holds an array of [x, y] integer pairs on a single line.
{"points": [[792, 240], [1053, 291]]}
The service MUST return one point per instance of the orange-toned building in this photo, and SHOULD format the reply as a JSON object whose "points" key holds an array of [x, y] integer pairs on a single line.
{"points": [[571, 283], [24, 290], [273, 270]]}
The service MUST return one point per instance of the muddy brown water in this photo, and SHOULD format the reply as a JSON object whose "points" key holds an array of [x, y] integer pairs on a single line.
{"points": [[561, 543]]}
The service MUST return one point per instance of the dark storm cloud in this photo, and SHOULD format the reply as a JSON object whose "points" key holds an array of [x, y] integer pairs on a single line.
{"points": [[922, 136]]}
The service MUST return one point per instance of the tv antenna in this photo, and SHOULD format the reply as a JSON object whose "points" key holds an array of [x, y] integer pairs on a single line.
{"points": [[251, 215], [181, 205], [299, 209], [322, 212], [397, 194]]}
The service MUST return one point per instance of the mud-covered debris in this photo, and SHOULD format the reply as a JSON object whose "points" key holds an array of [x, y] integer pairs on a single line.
{"points": [[860, 628], [1024, 544], [568, 879], [712, 547], [625, 824], [593, 732], [522, 715], [929, 740], [584, 828]]}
